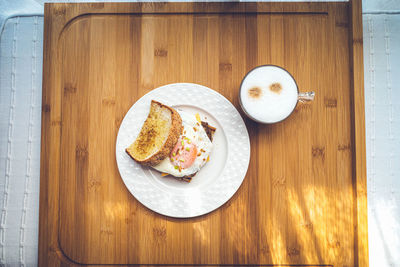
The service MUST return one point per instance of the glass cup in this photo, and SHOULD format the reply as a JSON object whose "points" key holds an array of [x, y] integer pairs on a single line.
{"points": [[269, 94]]}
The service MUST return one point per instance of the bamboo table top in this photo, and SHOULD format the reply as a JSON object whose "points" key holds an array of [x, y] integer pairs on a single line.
{"points": [[303, 200]]}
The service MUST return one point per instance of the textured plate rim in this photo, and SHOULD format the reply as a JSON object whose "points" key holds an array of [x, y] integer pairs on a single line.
{"points": [[229, 129]]}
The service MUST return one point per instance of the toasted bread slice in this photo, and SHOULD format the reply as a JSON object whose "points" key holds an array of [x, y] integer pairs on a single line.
{"points": [[210, 130], [158, 135]]}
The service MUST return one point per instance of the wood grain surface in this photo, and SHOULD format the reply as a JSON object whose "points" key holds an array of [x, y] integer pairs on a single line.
{"points": [[303, 200]]}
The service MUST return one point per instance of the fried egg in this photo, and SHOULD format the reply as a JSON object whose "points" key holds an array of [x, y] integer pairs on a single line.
{"points": [[191, 152]]}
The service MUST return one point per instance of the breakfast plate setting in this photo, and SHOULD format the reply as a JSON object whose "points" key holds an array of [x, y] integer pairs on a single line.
{"points": [[222, 170], [138, 168]]}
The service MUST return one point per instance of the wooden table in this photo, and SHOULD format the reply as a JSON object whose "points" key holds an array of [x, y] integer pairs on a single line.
{"points": [[303, 200]]}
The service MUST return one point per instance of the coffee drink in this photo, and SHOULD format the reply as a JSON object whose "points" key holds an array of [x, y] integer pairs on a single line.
{"points": [[268, 94]]}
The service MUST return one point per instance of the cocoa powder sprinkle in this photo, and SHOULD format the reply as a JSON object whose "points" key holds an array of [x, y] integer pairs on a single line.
{"points": [[276, 88], [255, 92]]}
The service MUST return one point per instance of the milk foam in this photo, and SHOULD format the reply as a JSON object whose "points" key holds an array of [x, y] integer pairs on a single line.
{"points": [[268, 105]]}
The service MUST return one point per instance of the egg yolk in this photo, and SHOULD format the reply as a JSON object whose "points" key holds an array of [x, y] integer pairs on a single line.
{"points": [[184, 153]]}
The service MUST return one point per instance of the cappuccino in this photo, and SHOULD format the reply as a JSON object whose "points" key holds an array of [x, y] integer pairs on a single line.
{"points": [[268, 94]]}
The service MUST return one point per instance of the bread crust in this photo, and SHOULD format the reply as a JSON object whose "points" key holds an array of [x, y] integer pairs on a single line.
{"points": [[173, 136]]}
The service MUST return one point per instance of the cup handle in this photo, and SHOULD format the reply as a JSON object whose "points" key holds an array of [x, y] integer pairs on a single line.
{"points": [[306, 97]]}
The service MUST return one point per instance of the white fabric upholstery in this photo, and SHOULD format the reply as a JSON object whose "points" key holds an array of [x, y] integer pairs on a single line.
{"points": [[20, 110], [382, 102]]}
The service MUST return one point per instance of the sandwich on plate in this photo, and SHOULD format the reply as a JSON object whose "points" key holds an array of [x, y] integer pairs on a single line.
{"points": [[173, 142]]}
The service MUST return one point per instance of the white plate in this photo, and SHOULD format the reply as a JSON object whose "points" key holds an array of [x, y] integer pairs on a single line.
{"points": [[216, 182]]}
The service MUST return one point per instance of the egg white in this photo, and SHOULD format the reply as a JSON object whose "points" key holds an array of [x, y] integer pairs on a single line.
{"points": [[199, 138]]}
